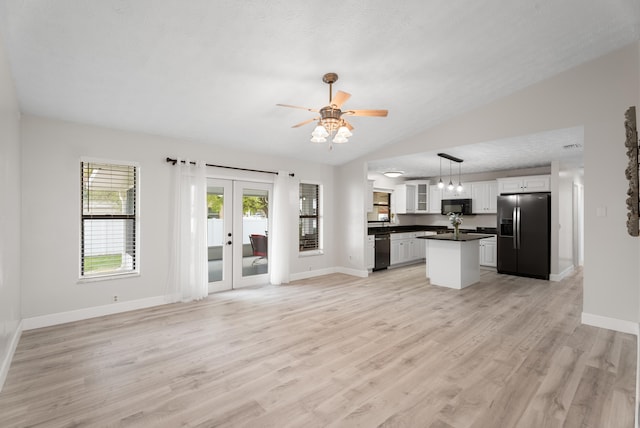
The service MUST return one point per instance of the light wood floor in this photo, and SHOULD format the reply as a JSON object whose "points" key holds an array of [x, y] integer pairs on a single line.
{"points": [[335, 351]]}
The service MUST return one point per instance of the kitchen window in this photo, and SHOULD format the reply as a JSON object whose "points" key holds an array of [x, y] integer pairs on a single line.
{"points": [[309, 225], [109, 219]]}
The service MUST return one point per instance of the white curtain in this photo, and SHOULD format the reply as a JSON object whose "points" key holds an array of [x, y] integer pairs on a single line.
{"points": [[283, 222], [188, 273]]}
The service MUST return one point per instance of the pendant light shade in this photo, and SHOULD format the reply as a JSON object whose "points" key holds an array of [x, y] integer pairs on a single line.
{"points": [[440, 183]]}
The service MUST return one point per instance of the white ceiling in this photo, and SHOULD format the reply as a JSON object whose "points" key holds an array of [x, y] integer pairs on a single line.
{"points": [[527, 151], [212, 71]]}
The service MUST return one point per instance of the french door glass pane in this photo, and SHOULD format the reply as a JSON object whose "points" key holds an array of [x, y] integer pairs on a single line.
{"points": [[215, 232], [255, 222]]}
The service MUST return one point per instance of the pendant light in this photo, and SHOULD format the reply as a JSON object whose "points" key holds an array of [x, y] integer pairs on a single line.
{"points": [[450, 186]]}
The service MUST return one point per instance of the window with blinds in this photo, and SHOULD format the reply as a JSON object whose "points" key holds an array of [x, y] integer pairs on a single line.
{"points": [[309, 222], [108, 243]]}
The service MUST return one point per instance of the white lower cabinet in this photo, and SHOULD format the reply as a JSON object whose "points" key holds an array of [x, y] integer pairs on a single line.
{"points": [[489, 252], [400, 248], [371, 251], [407, 247]]}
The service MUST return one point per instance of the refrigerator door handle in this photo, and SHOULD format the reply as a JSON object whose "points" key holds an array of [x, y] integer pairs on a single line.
{"points": [[515, 230], [518, 228]]}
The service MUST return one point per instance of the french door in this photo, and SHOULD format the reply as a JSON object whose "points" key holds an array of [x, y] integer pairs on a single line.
{"points": [[237, 233]]}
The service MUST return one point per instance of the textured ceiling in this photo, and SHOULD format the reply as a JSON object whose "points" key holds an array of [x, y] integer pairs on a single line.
{"points": [[527, 151], [212, 71]]}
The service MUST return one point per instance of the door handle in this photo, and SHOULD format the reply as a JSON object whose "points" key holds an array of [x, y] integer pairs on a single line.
{"points": [[228, 242], [514, 230], [519, 219]]}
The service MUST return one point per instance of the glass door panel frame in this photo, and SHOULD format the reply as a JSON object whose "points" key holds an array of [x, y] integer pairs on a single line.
{"points": [[226, 283], [239, 279]]}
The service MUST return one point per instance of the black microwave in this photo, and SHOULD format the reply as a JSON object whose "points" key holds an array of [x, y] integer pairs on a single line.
{"points": [[458, 206]]}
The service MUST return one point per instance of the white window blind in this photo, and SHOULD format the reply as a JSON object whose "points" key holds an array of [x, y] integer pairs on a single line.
{"points": [[109, 219], [309, 221]]}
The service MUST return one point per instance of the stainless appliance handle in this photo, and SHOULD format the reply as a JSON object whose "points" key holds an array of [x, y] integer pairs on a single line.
{"points": [[518, 228], [514, 232]]}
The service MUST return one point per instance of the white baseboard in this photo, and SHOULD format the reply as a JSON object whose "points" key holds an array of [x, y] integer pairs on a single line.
{"points": [[562, 275], [6, 363], [610, 323], [353, 272], [327, 271], [86, 313], [311, 274]]}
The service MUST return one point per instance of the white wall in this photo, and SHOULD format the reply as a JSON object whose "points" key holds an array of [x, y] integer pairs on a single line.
{"points": [[51, 152], [594, 95], [9, 217], [351, 225], [565, 218]]}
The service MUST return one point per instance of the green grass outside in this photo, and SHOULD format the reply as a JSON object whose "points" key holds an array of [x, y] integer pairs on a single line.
{"points": [[102, 262]]}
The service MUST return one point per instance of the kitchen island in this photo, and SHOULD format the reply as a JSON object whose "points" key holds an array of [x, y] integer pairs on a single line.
{"points": [[453, 262]]}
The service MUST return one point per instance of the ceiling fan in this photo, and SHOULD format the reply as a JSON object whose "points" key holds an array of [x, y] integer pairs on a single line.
{"points": [[332, 118]]}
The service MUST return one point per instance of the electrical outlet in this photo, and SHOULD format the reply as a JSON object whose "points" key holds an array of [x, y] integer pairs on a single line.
{"points": [[115, 298]]}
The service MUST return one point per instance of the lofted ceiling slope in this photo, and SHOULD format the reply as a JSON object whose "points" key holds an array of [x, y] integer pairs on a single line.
{"points": [[212, 71]]}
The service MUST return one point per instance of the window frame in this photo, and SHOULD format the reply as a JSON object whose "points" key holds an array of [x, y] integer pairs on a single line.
{"points": [[112, 274], [319, 220]]}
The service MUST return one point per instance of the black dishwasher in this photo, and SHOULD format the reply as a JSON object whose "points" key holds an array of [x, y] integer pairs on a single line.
{"points": [[383, 251]]}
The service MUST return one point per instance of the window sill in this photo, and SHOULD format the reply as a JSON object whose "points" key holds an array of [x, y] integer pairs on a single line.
{"points": [[310, 253], [107, 277]]}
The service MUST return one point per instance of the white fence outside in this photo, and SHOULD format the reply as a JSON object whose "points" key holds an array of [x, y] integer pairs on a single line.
{"points": [[108, 236], [250, 226]]}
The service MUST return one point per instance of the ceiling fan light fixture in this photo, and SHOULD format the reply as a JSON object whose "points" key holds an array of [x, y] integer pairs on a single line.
{"points": [[331, 122], [339, 139], [319, 132], [393, 174], [343, 131]]}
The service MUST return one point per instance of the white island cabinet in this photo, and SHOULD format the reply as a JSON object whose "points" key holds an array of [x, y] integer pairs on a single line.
{"points": [[453, 262]]}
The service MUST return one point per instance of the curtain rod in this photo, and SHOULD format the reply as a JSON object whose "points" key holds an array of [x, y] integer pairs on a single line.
{"points": [[174, 161]]}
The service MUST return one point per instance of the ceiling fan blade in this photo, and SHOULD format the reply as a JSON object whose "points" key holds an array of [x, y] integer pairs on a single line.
{"points": [[348, 125], [302, 108], [378, 113], [297, 125], [340, 98]]}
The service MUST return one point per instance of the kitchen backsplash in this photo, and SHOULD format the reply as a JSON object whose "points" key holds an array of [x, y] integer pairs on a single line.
{"points": [[470, 221]]}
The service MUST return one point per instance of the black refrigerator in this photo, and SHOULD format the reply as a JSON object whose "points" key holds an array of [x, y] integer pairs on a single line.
{"points": [[524, 234]]}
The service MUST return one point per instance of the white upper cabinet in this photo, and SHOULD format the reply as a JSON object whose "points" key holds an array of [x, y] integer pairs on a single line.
{"points": [[534, 183], [435, 199], [465, 193], [411, 197], [422, 196], [484, 197], [403, 199]]}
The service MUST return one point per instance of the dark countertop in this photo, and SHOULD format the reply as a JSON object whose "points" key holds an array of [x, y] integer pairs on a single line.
{"points": [[399, 229], [417, 228], [461, 237]]}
